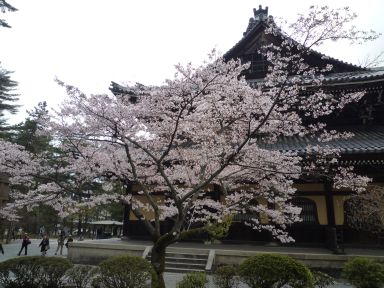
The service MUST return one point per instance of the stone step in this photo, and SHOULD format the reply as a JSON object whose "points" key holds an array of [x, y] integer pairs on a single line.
{"points": [[185, 260], [182, 259], [184, 255], [187, 265], [182, 270]]}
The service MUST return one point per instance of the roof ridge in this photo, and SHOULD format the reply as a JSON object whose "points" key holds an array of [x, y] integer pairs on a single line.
{"points": [[338, 60], [261, 18]]}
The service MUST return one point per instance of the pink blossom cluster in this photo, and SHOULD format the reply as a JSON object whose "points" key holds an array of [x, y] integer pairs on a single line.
{"points": [[205, 128]]}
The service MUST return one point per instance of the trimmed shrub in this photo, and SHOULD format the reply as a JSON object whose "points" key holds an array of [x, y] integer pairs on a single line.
{"points": [[33, 272], [364, 273], [322, 280], [193, 280], [274, 270], [81, 276], [123, 272], [52, 270], [20, 272], [225, 277]]}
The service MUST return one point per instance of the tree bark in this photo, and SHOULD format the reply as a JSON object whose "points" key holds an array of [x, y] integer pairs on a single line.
{"points": [[158, 264]]}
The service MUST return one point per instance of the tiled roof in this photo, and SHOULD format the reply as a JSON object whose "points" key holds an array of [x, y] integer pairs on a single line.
{"points": [[249, 34], [335, 60], [365, 140], [370, 74], [117, 88], [246, 36], [374, 74]]}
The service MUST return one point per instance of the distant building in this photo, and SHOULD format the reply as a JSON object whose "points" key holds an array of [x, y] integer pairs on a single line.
{"points": [[4, 197], [324, 213], [4, 189]]}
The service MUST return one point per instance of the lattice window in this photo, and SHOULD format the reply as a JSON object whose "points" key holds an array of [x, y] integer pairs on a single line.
{"points": [[258, 63], [308, 212]]}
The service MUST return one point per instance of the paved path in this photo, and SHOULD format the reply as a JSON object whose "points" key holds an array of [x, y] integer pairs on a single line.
{"points": [[249, 247], [11, 250]]}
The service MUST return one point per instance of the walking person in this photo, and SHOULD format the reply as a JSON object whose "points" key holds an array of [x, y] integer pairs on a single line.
{"points": [[44, 244], [24, 244], [60, 243]]}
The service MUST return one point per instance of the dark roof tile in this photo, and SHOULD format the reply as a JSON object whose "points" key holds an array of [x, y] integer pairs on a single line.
{"points": [[365, 140]]}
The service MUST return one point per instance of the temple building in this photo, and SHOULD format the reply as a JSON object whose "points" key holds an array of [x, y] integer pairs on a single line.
{"points": [[324, 209]]}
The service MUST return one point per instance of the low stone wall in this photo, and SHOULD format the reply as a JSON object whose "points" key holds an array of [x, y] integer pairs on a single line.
{"points": [[93, 252]]}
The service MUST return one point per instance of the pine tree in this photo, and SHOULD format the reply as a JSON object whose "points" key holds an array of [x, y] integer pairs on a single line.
{"points": [[7, 85], [5, 7], [26, 133], [7, 97]]}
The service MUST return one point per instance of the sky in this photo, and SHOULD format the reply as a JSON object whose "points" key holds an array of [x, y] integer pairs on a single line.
{"points": [[89, 43]]}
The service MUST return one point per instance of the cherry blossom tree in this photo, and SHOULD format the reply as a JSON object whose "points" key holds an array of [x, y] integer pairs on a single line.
{"points": [[205, 127]]}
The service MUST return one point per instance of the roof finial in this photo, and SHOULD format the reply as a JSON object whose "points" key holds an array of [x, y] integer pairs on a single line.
{"points": [[260, 15]]}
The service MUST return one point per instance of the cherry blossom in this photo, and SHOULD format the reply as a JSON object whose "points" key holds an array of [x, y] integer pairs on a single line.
{"points": [[205, 129]]}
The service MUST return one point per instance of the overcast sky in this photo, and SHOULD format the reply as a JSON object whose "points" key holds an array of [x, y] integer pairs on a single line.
{"points": [[89, 43]]}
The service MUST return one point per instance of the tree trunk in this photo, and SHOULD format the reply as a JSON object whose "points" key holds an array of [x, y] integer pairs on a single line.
{"points": [[158, 264]]}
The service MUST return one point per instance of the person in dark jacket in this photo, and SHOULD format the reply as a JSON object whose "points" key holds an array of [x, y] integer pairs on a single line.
{"points": [[24, 244], [44, 244]]}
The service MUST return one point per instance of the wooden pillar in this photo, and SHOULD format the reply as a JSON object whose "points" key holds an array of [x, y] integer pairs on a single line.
{"points": [[127, 212], [334, 236], [329, 204]]}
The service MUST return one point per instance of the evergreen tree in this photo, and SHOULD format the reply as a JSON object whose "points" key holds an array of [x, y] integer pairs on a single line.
{"points": [[26, 133], [7, 85], [7, 97], [5, 7]]}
